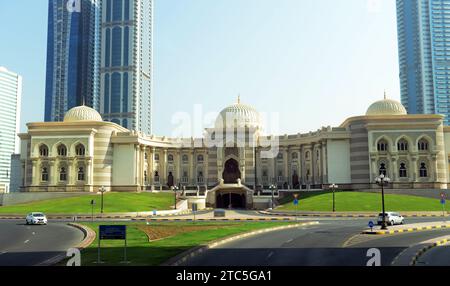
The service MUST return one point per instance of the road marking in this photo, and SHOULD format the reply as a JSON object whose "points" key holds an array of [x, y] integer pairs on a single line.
{"points": [[3, 252], [290, 240], [34, 233], [26, 241], [270, 255]]}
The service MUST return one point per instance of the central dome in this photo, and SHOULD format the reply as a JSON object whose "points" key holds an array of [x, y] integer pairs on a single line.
{"points": [[82, 113], [386, 107], [238, 115]]}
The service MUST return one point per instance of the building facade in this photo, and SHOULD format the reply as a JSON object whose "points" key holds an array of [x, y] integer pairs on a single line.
{"points": [[10, 104], [424, 56], [73, 56], [235, 160], [126, 63]]}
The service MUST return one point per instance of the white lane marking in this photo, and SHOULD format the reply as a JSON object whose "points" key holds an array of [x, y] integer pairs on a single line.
{"points": [[3, 252], [34, 233], [270, 255], [26, 241], [290, 240]]}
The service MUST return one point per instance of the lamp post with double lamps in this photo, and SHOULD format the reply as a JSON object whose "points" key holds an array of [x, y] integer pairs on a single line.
{"points": [[272, 188], [175, 189], [333, 187], [382, 181], [102, 190]]}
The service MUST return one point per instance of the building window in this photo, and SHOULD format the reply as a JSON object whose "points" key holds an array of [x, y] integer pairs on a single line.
{"points": [[62, 150], [62, 174], [382, 145], [294, 155], [156, 157], [145, 176], [185, 159], [422, 145], [81, 174], [43, 151], [200, 158], [44, 176], [402, 171], [80, 150], [170, 158], [382, 169], [402, 145], [280, 156], [307, 155], [423, 172], [145, 156]]}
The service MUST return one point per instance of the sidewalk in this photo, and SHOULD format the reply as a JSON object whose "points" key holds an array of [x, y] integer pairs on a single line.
{"points": [[347, 214], [408, 228]]}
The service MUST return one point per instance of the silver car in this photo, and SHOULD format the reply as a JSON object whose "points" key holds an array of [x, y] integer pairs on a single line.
{"points": [[392, 218], [36, 218]]}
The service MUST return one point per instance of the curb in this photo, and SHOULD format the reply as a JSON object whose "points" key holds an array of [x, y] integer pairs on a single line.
{"points": [[385, 232], [190, 253], [426, 248], [212, 219], [89, 237], [338, 215]]}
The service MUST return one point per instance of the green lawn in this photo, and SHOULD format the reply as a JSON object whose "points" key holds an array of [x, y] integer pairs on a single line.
{"points": [[358, 201], [113, 203], [141, 252]]}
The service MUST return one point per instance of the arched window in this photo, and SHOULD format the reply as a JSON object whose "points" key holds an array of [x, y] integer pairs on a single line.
{"points": [[402, 145], [264, 173], [145, 156], [185, 159], [402, 171], [62, 174], [382, 145], [170, 158], [156, 174], [62, 150], [80, 150], [156, 157], [423, 172], [200, 158], [80, 176], [145, 176], [280, 156], [294, 155], [307, 155], [43, 151], [200, 174], [44, 176], [422, 145], [382, 169]]}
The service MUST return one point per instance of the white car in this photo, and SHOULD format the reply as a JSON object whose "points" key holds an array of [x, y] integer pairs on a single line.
{"points": [[36, 218], [392, 218]]}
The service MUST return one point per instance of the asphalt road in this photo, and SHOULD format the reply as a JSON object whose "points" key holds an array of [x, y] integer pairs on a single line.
{"points": [[437, 256], [22, 245], [317, 245]]}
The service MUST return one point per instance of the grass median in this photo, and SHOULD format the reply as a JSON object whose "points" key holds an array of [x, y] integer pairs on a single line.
{"points": [[113, 203], [151, 245], [359, 201]]}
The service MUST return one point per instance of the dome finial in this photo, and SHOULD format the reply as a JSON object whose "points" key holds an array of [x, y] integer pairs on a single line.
{"points": [[239, 99], [385, 97], [83, 103]]}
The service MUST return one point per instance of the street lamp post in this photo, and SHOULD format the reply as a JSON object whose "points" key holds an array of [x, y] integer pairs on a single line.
{"points": [[333, 187], [272, 188], [102, 190], [382, 180], [175, 189]]}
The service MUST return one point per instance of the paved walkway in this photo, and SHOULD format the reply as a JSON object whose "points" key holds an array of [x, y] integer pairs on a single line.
{"points": [[408, 228]]}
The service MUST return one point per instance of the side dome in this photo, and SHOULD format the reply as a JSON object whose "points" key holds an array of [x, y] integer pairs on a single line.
{"points": [[386, 107], [238, 115], [82, 113]]}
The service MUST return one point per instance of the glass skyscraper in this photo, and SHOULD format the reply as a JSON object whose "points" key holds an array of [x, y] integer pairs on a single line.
{"points": [[126, 63], [10, 103], [73, 56], [424, 55]]}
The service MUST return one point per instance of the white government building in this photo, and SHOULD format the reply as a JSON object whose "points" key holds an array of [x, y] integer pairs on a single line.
{"points": [[84, 153]]}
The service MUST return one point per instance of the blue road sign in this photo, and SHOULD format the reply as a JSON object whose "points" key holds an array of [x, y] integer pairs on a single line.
{"points": [[154, 212], [113, 232], [371, 224], [295, 202]]}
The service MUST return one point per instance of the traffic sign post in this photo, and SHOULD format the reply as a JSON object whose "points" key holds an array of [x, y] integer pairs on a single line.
{"points": [[371, 224], [112, 232], [92, 205], [296, 204], [443, 204]]}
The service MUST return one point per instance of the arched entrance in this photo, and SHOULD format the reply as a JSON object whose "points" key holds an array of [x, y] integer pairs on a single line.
{"points": [[230, 200], [170, 180], [231, 172], [295, 180]]}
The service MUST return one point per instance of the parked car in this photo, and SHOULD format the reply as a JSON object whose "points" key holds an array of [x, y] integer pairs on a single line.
{"points": [[392, 218], [36, 218]]}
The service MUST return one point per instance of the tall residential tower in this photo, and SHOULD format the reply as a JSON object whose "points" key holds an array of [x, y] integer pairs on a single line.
{"points": [[424, 55], [73, 56], [10, 103], [126, 63]]}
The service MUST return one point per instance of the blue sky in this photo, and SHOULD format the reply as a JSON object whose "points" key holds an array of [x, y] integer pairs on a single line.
{"points": [[316, 62]]}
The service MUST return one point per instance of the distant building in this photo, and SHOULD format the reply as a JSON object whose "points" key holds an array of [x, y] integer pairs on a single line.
{"points": [[16, 178], [424, 56], [73, 57], [126, 63], [10, 104]]}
